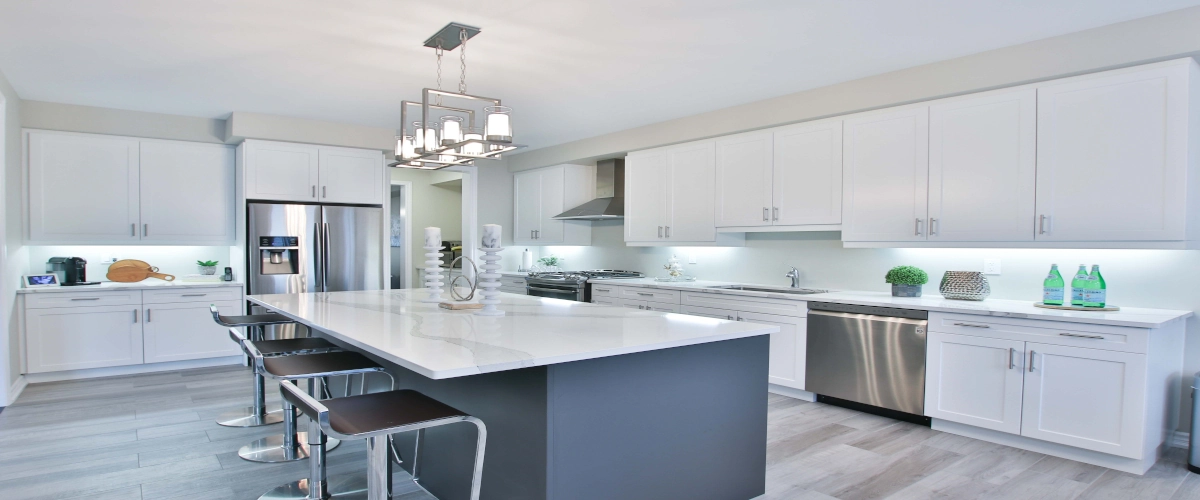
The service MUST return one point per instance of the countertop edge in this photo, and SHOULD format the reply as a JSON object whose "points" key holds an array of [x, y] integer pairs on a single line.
{"points": [[132, 286]]}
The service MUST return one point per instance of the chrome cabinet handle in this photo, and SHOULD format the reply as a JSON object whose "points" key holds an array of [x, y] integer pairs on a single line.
{"points": [[145, 229], [324, 194], [135, 315], [660, 231], [668, 231], [729, 317], [775, 213], [645, 294], [133, 229], [147, 315], [918, 227], [641, 307], [972, 325], [1101, 337], [932, 230], [193, 295], [1011, 352], [87, 298], [314, 191], [1031, 354], [1042, 224], [765, 216]]}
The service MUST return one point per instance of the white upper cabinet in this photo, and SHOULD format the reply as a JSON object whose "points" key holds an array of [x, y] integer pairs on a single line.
{"points": [[1113, 155], [690, 193], [982, 153], [87, 189], [670, 197], [743, 187], [646, 206], [281, 171], [187, 192], [540, 194], [351, 176], [886, 170], [83, 188], [807, 173]]}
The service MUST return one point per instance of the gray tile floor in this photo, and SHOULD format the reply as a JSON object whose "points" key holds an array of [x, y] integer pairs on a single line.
{"points": [[153, 437]]}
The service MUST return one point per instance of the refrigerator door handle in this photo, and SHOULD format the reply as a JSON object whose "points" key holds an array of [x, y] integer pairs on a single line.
{"points": [[325, 259], [317, 253]]}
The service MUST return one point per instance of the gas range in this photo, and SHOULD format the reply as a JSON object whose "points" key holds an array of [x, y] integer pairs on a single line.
{"points": [[571, 285]]}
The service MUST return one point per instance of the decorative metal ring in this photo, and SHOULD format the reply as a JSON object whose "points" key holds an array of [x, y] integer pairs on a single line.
{"points": [[473, 285]]}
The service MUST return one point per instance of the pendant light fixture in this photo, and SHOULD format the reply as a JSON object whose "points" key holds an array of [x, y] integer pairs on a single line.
{"points": [[460, 130]]}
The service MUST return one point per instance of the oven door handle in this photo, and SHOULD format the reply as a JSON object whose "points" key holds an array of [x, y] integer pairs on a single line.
{"points": [[552, 290]]}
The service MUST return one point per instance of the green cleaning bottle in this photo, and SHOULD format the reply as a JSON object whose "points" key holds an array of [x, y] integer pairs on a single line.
{"points": [[1095, 292], [1053, 287], [1077, 284]]}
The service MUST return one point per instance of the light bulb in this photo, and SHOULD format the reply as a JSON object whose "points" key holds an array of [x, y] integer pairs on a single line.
{"points": [[451, 130], [472, 148]]}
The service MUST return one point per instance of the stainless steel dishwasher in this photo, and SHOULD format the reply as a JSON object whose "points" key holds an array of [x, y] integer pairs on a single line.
{"points": [[868, 358]]}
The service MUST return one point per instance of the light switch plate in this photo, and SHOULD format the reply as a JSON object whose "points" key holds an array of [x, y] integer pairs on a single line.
{"points": [[692, 259], [991, 266]]}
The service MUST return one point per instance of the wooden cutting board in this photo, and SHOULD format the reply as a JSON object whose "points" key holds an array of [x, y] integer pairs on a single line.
{"points": [[132, 274], [133, 263]]}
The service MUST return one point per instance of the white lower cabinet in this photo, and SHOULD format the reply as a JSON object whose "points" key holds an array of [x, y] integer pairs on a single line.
{"points": [[974, 380], [788, 347], [647, 305], [180, 331], [99, 329], [1087, 398], [74, 338]]}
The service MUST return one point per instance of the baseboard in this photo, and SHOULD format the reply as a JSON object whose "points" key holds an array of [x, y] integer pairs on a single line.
{"points": [[1179, 439], [1123, 464], [791, 393], [113, 371], [15, 389]]}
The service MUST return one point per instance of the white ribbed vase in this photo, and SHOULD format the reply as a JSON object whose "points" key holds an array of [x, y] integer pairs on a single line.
{"points": [[433, 274], [489, 281]]}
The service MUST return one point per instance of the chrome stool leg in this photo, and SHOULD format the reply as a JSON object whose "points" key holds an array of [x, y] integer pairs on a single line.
{"points": [[289, 446], [317, 485], [253, 416], [379, 468]]}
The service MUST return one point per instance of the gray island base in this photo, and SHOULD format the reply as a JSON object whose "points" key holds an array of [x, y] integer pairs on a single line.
{"points": [[581, 401]]}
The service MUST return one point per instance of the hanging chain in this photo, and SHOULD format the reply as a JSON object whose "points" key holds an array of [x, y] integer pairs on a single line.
{"points": [[462, 61], [438, 50]]}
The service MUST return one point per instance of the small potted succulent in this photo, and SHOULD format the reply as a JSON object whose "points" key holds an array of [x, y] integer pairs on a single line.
{"points": [[207, 267], [906, 281]]}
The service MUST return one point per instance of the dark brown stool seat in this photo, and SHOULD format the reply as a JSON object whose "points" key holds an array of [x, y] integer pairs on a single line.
{"points": [[288, 347], [317, 365], [375, 417]]}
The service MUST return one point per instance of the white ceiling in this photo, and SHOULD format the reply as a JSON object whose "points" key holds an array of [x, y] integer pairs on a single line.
{"points": [[570, 69]]}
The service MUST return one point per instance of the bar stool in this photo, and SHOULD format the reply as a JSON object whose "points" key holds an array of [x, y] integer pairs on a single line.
{"points": [[259, 413], [375, 417], [293, 445]]}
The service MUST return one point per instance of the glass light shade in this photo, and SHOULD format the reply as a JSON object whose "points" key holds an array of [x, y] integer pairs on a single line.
{"points": [[446, 158], [497, 126], [473, 148], [405, 147], [426, 141], [451, 130]]}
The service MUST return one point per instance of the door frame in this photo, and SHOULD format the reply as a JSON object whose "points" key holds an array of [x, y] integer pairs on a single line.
{"points": [[470, 215], [407, 232]]}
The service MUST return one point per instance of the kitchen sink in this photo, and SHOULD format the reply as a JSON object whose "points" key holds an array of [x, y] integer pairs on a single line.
{"points": [[796, 291]]}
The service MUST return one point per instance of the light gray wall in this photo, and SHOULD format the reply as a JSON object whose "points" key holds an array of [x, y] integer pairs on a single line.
{"points": [[1154, 38], [94, 120], [14, 263], [242, 125]]}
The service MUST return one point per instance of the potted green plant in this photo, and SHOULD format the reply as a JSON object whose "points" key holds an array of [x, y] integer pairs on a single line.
{"points": [[208, 267], [906, 281], [550, 262]]}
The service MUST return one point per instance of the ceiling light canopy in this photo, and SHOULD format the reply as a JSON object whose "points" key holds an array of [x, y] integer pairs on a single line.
{"points": [[460, 130]]}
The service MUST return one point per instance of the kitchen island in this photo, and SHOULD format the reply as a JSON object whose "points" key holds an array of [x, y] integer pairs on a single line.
{"points": [[582, 401]]}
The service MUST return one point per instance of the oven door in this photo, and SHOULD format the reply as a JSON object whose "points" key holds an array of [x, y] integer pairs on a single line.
{"points": [[554, 291]]}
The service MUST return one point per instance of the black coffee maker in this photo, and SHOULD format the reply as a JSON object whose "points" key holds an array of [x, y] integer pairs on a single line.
{"points": [[71, 271]]}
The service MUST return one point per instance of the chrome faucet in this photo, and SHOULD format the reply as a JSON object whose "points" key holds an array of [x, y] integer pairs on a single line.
{"points": [[794, 274]]}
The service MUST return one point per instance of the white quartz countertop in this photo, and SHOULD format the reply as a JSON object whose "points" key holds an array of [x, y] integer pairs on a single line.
{"points": [[110, 285], [1127, 316], [536, 331]]}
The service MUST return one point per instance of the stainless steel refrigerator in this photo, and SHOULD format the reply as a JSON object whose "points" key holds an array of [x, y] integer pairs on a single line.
{"points": [[314, 248]]}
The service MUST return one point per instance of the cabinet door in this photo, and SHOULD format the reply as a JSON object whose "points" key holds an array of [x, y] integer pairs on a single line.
{"points": [[743, 182], [350, 176], [787, 347], [646, 179], [982, 153], [1087, 398], [185, 330], [691, 192], [83, 188], [553, 184], [709, 312], [975, 381], [281, 171], [187, 192], [1112, 157], [807, 186], [660, 307], [74, 338], [886, 174], [527, 206]]}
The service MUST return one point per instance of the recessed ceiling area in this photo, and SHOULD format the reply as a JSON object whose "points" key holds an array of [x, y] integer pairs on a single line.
{"points": [[570, 69]]}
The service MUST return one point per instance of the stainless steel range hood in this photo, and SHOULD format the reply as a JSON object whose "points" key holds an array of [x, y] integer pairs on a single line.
{"points": [[610, 195]]}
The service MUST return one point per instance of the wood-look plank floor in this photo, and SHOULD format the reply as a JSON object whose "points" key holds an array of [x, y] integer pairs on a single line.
{"points": [[154, 437]]}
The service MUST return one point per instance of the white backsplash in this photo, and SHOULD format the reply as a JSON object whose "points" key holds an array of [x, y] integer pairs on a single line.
{"points": [[176, 260]]}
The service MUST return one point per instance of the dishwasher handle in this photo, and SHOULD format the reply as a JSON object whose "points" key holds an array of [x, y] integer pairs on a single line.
{"points": [[869, 317]]}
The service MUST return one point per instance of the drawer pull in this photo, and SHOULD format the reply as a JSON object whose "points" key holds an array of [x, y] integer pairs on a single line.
{"points": [[644, 294], [193, 295], [1101, 337], [88, 298], [972, 325]]}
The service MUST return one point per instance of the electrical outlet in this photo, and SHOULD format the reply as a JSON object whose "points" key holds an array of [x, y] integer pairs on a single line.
{"points": [[692, 259], [108, 260], [991, 266]]}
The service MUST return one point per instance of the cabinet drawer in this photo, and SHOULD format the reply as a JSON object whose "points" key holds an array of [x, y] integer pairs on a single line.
{"points": [[1112, 338], [605, 290], [648, 294], [46, 300], [708, 312], [783, 307], [512, 289], [608, 301], [646, 305], [206, 295], [513, 281]]}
